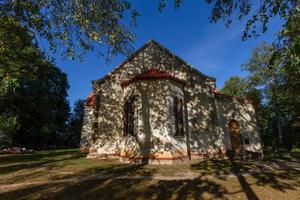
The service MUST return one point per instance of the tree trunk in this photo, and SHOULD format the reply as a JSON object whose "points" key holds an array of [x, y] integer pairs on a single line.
{"points": [[279, 131], [277, 113]]}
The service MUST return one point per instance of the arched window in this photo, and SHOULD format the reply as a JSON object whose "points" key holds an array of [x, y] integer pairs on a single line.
{"points": [[178, 115], [129, 116]]}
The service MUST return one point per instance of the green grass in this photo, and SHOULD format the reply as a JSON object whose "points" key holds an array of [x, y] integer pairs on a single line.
{"points": [[296, 150], [57, 164], [68, 174]]}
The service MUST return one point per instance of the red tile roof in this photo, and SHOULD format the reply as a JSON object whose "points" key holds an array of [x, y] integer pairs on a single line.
{"points": [[152, 74], [90, 100], [218, 93]]}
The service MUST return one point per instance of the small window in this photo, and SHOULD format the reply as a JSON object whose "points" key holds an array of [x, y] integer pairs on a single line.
{"points": [[178, 115], [129, 116], [247, 140]]}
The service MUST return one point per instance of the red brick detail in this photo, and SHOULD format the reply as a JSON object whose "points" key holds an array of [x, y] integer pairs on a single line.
{"points": [[218, 93], [90, 100], [152, 74], [153, 157]]}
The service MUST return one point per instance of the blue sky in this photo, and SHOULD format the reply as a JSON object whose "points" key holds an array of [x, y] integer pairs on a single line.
{"points": [[211, 48]]}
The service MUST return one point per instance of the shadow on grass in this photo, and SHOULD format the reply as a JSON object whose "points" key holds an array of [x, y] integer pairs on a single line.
{"points": [[129, 182], [14, 163], [219, 168], [37, 156], [114, 170], [56, 165], [282, 178], [246, 187], [283, 156], [106, 182], [122, 189]]}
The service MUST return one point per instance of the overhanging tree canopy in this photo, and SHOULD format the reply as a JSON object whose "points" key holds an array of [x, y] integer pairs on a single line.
{"points": [[75, 26]]}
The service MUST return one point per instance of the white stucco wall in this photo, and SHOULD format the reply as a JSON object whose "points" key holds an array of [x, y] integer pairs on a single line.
{"points": [[111, 96], [206, 118], [87, 128], [244, 114]]}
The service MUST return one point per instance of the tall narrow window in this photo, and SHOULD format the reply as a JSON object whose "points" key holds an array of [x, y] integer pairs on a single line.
{"points": [[129, 116], [178, 114]]}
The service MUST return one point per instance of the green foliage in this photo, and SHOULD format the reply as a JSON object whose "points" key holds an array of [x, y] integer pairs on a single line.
{"points": [[33, 106], [257, 16], [77, 26], [288, 54], [258, 65], [7, 125], [163, 3], [239, 87], [295, 150], [42, 107], [235, 86], [276, 114], [273, 83], [75, 124], [71, 25]]}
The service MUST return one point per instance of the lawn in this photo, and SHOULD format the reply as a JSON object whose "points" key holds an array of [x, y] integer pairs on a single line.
{"points": [[67, 174]]}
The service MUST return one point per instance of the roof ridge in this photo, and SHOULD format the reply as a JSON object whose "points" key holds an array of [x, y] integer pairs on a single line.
{"points": [[130, 57], [168, 51], [179, 58]]}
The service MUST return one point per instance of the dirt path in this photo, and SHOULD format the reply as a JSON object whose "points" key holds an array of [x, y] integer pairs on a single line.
{"points": [[186, 176]]}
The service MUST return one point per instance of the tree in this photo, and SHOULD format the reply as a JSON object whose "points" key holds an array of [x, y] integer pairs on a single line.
{"points": [[265, 76], [13, 44], [42, 107], [262, 13], [91, 24], [73, 25], [235, 86], [240, 87], [288, 54], [75, 124], [272, 73], [33, 106], [288, 57], [256, 15]]}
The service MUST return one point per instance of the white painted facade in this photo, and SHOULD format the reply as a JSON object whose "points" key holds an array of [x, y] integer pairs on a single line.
{"points": [[206, 113]]}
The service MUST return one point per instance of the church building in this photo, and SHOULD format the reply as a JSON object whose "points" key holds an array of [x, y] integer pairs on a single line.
{"points": [[155, 108]]}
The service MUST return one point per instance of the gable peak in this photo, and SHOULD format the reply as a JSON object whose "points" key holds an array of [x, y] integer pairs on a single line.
{"points": [[164, 49]]}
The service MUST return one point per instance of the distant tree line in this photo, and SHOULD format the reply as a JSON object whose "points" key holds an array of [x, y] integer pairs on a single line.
{"points": [[34, 110]]}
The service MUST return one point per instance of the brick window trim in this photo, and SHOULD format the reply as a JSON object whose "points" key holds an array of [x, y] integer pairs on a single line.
{"points": [[178, 116]]}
